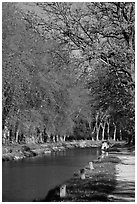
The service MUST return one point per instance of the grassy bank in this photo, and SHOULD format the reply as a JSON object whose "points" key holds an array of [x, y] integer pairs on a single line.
{"points": [[21, 151], [98, 184]]}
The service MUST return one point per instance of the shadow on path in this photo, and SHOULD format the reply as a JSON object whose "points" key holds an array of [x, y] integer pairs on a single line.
{"points": [[111, 180]]}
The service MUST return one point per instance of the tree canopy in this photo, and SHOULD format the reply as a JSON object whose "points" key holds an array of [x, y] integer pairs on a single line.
{"points": [[68, 67]]}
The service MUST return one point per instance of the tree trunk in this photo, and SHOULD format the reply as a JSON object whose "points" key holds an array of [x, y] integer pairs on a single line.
{"points": [[48, 138], [57, 138], [97, 129], [89, 124], [108, 130], [17, 136], [4, 137], [120, 134], [131, 50], [93, 133], [8, 135], [61, 138], [53, 138], [64, 138], [115, 130], [94, 129], [40, 137], [103, 132]]}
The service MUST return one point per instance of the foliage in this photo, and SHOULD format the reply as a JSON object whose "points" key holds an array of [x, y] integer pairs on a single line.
{"points": [[68, 67], [35, 94]]}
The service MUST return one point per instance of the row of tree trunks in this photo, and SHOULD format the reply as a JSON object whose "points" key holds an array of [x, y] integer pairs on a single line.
{"points": [[56, 138], [108, 131], [103, 126], [38, 138], [6, 134]]}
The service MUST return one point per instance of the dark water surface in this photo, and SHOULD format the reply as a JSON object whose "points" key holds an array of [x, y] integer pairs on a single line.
{"points": [[33, 177]]}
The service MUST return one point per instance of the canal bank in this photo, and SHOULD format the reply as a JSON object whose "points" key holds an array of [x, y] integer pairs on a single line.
{"points": [[112, 179], [21, 151]]}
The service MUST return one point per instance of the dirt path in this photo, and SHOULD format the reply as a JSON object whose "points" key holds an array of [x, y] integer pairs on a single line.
{"points": [[125, 177]]}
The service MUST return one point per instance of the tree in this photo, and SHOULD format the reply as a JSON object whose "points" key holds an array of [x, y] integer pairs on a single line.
{"points": [[35, 81], [101, 31], [69, 59], [105, 35]]}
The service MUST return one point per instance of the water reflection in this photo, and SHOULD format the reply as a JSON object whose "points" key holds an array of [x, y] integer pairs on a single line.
{"points": [[60, 153]]}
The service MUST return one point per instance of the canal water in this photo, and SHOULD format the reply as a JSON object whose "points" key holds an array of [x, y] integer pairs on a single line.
{"points": [[32, 178]]}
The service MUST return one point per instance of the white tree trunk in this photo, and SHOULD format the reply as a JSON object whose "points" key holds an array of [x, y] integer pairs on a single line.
{"points": [[115, 130], [108, 130], [41, 139], [57, 138], [120, 134], [64, 138], [17, 136], [97, 129], [53, 138], [94, 129], [48, 138], [4, 137], [61, 138], [103, 132]]}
